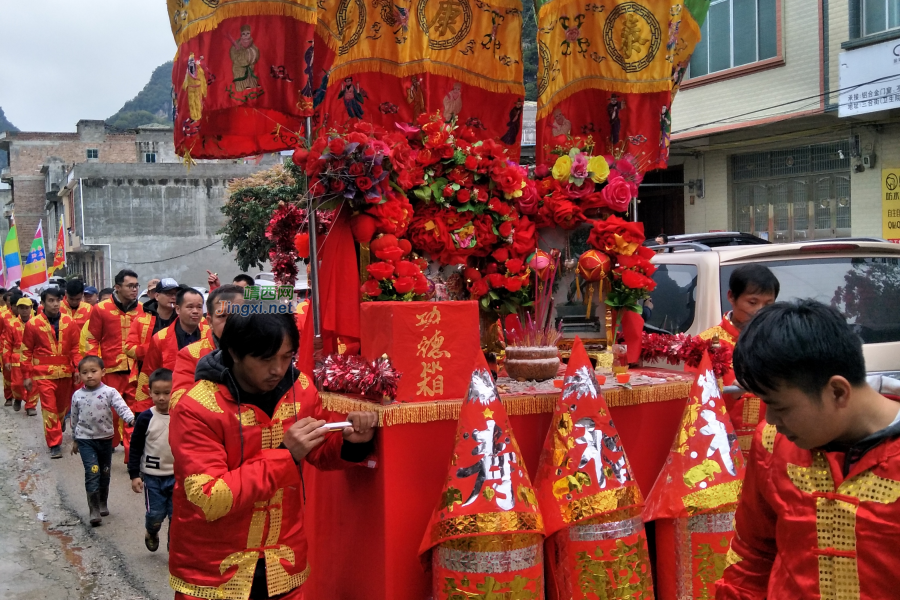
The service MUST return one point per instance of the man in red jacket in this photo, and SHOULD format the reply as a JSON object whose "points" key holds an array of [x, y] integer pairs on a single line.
{"points": [[107, 331], [13, 336], [164, 346], [50, 358], [238, 437], [74, 304], [819, 515], [220, 303]]}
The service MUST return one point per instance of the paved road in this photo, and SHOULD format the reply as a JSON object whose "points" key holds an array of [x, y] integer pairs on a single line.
{"points": [[48, 550]]}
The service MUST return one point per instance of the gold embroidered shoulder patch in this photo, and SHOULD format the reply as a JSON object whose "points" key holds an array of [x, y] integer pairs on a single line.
{"points": [[204, 392], [214, 505], [768, 438], [304, 380], [176, 396]]}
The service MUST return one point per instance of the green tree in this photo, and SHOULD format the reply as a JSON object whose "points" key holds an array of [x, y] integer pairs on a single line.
{"points": [[155, 100]]}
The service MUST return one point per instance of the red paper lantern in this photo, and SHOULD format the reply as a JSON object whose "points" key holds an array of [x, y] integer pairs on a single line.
{"points": [[383, 242], [594, 266], [301, 243]]}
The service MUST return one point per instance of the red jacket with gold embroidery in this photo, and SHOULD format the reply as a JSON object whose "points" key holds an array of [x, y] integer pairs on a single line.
{"points": [[79, 315], [48, 354], [161, 353], [237, 496], [13, 334], [107, 330], [748, 411], [803, 530], [186, 363], [139, 335]]}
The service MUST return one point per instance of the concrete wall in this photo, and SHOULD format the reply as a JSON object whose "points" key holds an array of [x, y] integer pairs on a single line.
{"points": [[147, 213]]}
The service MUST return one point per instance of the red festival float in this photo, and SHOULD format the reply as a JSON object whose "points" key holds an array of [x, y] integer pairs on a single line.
{"points": [[422, 231]]}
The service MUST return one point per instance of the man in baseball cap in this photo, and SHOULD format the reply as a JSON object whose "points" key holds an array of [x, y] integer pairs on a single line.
{"points": [[90, 295]]}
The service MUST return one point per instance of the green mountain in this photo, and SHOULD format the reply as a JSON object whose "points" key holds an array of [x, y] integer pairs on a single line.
{"points": [[153, 104]]}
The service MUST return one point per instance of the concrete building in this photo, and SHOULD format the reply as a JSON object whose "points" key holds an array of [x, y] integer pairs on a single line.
{"points": [[788, 120], [125, 199], [158, 219]]}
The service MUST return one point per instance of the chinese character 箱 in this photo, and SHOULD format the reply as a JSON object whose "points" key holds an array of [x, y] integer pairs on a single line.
{"points": [[285, 291], [445, 18], [436, 382], [431, 348], [251, 292], [432, 317], [268, 293]]}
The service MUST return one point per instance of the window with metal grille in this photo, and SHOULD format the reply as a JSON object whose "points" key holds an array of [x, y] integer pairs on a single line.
{"points": [[793, 194], [93, 153], [735, 33], [149, 157]]}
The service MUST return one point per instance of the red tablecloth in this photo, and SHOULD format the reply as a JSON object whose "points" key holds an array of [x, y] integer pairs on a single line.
{"points": [[365, 524]]}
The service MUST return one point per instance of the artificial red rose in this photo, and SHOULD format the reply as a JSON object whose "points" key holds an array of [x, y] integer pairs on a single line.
{"points": [[541, 171], [479, 288], [617, 194], [356, 137], [405, 180], [380, 270], [490, 269], [567, 214], [421, 287], [505, 228], [337, 185], [363, 127], [524, 237], [364, 183], [484, 232], [447, 151], [404, 285], [371, 288], [471, 162], [425, 157], [299, 157], [316, 189], [513, 284], [301, 244], [514, 265], [632, 279], [496, 280], [369, 152], [530, 200], [314, 166], [391, 253], [392, 216], [463, 196], [501, 255], [645, 252], [447, 191], [407, 269], [482, 193], [472, 274], [319, 145], [336, 146], [510, 179], [356, 169], [376, 171]]}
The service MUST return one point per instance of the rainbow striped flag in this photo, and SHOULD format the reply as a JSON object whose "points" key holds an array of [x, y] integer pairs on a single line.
{"points": [[11, 254], [35, 271]]}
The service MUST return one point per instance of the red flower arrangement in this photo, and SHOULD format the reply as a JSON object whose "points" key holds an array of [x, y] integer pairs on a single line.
{"points": [[502, 285], [282, 229], [352, 374], [682, 348], [394, 278]]}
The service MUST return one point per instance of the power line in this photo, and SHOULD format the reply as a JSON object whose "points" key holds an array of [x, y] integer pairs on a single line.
{"points": [[153, 262], [730, 119]]}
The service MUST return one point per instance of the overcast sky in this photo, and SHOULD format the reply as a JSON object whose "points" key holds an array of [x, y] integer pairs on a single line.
{"points": [[65, 60]]}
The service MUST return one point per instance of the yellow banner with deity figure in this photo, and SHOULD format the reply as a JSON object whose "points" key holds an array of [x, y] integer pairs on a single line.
{"points": [[608, 69], [392, 62]]}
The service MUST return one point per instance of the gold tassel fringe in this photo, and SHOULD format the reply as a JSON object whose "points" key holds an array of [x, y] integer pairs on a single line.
{"points": [[245, 8], [405, 413]]}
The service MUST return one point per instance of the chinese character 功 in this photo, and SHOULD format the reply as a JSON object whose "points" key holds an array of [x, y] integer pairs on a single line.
{"points": [[433, 317]]}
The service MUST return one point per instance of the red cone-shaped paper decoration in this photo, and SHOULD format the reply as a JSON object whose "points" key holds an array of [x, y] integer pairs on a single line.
{"points": [[591, 504], [695, 495], [243, 76], [486, 534]]}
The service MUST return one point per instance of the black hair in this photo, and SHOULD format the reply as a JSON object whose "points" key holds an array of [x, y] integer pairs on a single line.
{"points": [[74, 287], [106, 292], [121, 275], [665, 238], [222, 294], [801, 344], [15, 296], [54, 291], [182, 292], [2, 291], [257, 335], [90, 358], [160, 375], [245, 278], [753, 279]]}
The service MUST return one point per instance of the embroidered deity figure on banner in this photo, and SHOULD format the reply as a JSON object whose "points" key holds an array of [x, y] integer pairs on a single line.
{"points": [[613, 109], [415, 96], [353, 96], [514, 124], [244, 57], [561, 125], [195, 86], [453, 103], [665, 132]]}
